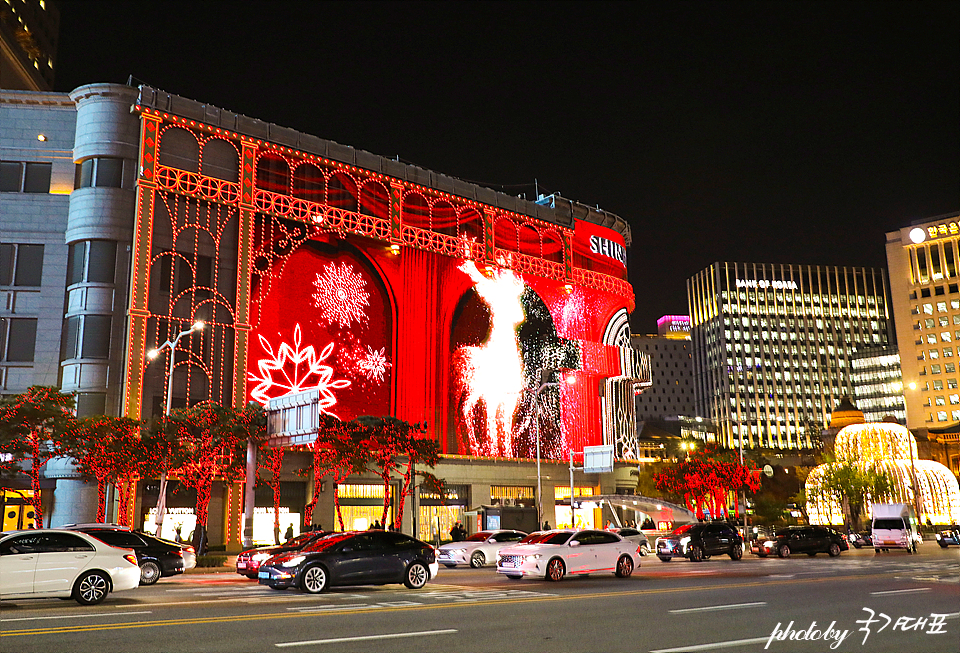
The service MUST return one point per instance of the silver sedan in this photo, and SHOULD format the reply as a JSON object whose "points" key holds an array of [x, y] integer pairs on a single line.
{"points": [[477, 550]]}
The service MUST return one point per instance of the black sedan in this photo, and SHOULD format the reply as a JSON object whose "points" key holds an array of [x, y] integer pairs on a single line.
{"points": [[249, 560], [947, 537], [157, 557], [353, 558], [700, 541], [803, 539]]}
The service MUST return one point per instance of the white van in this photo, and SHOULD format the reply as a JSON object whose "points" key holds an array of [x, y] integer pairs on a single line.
{"points": [[894, 527]]}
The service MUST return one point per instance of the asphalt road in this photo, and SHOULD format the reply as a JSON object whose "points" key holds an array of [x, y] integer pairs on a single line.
{"points": [[671, 607]]}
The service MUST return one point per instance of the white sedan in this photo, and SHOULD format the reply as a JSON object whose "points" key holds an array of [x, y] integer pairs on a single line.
{"points": [[65, 564], [477, 550], [554, 554]]}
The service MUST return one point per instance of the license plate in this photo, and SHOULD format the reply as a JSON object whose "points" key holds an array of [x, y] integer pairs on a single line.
{"points": [[263, 574], [241, 565]]}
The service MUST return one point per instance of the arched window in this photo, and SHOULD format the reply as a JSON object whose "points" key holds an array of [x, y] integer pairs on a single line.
{"points": [[220, 160], [179, 149], [552, 246], [342, 192], [415, 211], [471, 225], [273, 173], [505, 235], [530, 240], [308, 183], [444, 218], [374, 200]]}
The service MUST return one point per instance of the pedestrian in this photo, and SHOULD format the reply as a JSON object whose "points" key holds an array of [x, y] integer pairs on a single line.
{"points": [[289, 534], [546, 525]]}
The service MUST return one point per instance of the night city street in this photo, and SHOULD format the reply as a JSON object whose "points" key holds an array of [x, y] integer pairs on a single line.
{"points": [[665, 608]]}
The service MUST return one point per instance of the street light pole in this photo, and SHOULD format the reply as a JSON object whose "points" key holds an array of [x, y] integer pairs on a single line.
{"points": [[152, 354], [544, 384]]}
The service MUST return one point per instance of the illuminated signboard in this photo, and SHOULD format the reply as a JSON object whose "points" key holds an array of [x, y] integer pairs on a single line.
{"points": [[673, 324], [941, 230], [764, 284]]}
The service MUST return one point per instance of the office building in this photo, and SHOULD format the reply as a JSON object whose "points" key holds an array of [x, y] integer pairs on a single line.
{"points": [[772, 346]]}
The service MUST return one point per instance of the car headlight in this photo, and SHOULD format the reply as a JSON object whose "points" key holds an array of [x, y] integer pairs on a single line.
{"points": [[293, 562], [260, 557], [938, 536], [532, 558], [769, 542], [458, 550], [684, 541]]}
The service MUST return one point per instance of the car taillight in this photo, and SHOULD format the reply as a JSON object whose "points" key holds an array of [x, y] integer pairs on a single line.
{"points": [[178, 552], [639, 550], [130, 557], [188, 548]]}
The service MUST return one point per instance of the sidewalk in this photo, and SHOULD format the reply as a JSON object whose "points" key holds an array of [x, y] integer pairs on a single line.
{"points": [[229, 566]]}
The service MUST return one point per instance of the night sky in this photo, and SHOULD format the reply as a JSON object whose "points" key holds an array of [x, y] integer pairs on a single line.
{"points": [[769, 132]]}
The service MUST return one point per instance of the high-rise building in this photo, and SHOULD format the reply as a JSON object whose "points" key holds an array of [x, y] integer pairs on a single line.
{"points": [[28, 44], [772, 345], [671, 371], [878, 384], [924, 264]]}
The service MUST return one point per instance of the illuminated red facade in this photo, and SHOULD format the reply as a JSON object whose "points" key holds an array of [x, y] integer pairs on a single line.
{"points": [[372, 284]]}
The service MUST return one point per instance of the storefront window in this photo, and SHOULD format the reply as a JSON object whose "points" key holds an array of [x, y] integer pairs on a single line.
{"points": [[437, 516], [361, 506]]}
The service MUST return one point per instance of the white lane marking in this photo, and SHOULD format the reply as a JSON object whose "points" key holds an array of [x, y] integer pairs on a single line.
{"points": [[365, 638], [714, 646], [781, 575], [915, 589], [733, 606], [330, 608], [76, 616]]}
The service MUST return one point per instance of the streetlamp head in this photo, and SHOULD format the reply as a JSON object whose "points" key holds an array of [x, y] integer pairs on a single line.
{"points": [[153, 353], [198, 325]]}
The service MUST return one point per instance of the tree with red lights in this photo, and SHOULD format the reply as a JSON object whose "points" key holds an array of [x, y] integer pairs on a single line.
{"points": [[274, 463], [324, 458], [419, 451], [348, 454], [212, 444], [111, 450], [705, 479], [35, 426]]}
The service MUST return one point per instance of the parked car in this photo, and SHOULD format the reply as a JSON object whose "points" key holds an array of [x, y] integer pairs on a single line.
{"points": [[636, 536], [65, 564], [157, 558], [859, 540], [352, 558], [895, 526], [803, 539], [554, 554], [700, 541], [477, 550], [249, 561], [949, 536]]}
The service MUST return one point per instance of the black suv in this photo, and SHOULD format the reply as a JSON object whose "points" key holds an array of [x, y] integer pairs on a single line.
{"points": [[803, 539], [700, 541], [156, 557]]}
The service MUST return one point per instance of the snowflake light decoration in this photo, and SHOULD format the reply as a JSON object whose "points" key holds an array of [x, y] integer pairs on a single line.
{"points": [[374, 364], [341, 295], [297, 370]]}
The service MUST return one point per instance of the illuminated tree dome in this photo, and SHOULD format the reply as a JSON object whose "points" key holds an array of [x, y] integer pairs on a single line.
{"points": [[893, 449]]}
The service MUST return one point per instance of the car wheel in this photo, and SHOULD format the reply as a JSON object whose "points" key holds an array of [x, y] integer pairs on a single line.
{"points": [[514, 576], [91, 588], [449, 566], [664, 558], [736, 552], [149, 573], [556, 569], [624, 567], [477, 560], [696, 553], [784, 551], [942, 545], [834, 550], [314, 579], [762, 555], [416, 576], [857, 545]]}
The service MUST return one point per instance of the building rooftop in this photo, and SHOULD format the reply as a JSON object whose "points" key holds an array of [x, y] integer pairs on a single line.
{"points": [[561, 211]]}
